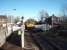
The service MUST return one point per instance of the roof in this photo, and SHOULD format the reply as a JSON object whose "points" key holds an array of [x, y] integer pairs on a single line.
{"points": [[3, 16]]}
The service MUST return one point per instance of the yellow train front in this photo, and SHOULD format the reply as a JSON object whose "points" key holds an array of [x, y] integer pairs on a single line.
{"points": [[29, 26]]}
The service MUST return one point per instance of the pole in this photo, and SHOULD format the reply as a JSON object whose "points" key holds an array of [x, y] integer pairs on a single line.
{"points": [[11, 25], [22, 34], [22, 38], [52, 21]]}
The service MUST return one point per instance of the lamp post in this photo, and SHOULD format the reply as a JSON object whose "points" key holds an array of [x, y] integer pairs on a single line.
{"points": [[7, 14], [11, 22]]}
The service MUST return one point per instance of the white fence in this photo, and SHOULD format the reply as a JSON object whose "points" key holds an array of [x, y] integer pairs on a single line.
{"points": [[14, 28], [4, 33], [2, 36], [43, 26]]}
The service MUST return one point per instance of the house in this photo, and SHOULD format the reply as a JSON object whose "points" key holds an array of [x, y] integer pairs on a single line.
{"points": [[50, 22], [3, 20], [54, 21]]}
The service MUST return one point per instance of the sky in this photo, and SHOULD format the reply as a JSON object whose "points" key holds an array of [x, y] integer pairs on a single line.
{"points": [[30, 8]]}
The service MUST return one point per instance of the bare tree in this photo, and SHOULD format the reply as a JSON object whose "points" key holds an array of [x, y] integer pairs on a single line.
{"points": [[17, 19], [64, 16], [43, 14], [31, 20], [64, 10]]}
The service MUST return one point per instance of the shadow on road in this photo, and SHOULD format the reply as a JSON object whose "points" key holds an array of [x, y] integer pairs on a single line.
{"points": [[14, 38]]}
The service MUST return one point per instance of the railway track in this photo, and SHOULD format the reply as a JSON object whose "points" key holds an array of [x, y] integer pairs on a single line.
{"points": [[48, 43]]}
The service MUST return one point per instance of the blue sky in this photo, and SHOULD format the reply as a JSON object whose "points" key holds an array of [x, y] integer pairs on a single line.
{"points": [[30, 8]]}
